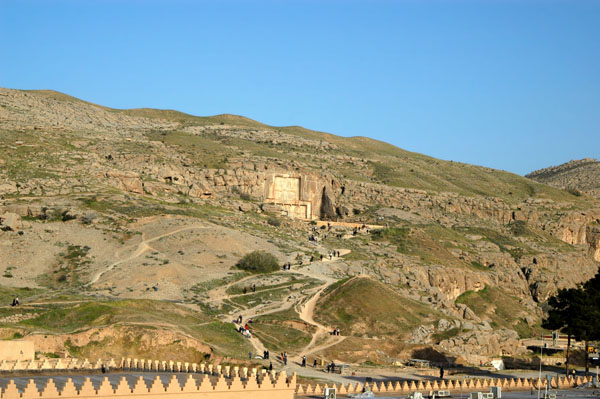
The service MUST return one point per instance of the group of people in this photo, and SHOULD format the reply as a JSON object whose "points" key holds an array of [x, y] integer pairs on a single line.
{"points": [[287, 266], [284, 358], [15, 301], [243, 329], [331, 367], [336, 331], [253, 288], [361, 228]]}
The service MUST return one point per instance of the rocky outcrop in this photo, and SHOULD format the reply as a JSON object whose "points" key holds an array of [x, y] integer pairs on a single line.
{"points": [[593, 241], [10, 222], [481, 344]]}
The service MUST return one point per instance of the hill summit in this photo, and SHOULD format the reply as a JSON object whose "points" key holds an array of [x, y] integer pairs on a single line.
{"points": [[579, 175]]}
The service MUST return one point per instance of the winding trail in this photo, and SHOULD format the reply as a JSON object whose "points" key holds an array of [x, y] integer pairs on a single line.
{"points": [[305, 306], [140, 249]]}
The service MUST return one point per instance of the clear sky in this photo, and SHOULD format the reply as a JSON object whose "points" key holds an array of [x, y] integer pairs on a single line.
{"points": [[513, 85]]}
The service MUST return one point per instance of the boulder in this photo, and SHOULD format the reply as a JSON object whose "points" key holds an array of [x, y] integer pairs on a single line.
{"points": [[10, 222]]}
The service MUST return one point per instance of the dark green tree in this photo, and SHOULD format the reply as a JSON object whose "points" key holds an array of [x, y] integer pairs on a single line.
{"points": [[561, 315], [590, 315], [576, 312]]}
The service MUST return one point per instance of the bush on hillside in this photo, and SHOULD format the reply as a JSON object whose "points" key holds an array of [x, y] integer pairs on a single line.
{"points": [[258, 262], [273, 221]]}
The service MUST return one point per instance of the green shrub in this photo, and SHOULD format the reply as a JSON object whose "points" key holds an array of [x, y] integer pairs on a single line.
{"points": [[274, 222], [258, 262], [519, 228]]}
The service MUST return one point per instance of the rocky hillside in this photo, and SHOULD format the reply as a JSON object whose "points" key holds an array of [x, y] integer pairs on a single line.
{"points": [[576, 176], [102, 208]]}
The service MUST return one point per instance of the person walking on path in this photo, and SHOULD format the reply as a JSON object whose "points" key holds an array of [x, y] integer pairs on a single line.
{"points": [[285, 358], [270, 366], [250, 355], [441, 372], [303, 361], [315, 364]]}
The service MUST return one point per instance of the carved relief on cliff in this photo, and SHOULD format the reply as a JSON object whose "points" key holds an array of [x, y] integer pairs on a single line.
{"points": [[291, 193]]}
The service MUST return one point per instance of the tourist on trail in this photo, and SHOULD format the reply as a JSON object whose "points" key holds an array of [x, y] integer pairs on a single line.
{"points": [[303, 361], [312, 258], [268, 355], [250, 355], [441, 372], [247, 327], [245, 290], [337, 331], [253, 287], [315, 364], [270, 366], [285, 358], [265, 355], [240, 319], [321, 257]]}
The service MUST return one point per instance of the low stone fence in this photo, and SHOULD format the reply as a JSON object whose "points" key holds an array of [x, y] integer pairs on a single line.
{"points": [[72, 364], [52, 365], [279, 387], [466, 385]]}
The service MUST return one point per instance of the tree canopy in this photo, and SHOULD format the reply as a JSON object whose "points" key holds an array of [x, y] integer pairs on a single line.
{"points": [[258, 262], [576, 312]]}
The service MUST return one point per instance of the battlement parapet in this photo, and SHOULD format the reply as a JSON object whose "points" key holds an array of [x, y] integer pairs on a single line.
{"points": [[255, 387], [465, 385]]}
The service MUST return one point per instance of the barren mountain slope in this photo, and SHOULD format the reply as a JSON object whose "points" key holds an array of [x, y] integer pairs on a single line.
{"points": [[581, 175], [103, 208]]}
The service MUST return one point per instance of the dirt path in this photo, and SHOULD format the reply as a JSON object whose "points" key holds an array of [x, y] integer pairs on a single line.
{"points": [[142, 247], [305, 306], [307, 313]]}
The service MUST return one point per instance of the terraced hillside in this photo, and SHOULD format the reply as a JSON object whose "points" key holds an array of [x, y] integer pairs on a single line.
{"points": [[149, 211]]}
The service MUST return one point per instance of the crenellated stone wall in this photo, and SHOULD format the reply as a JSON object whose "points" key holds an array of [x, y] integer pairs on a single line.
{"points": [[464, 385], [193, 388]]}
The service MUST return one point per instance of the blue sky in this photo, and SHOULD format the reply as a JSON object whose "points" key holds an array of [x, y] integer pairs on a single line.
{"points": [[513, 85]]}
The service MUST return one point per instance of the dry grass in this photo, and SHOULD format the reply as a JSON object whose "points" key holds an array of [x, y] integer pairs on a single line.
{"points": [[362, 306]]}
